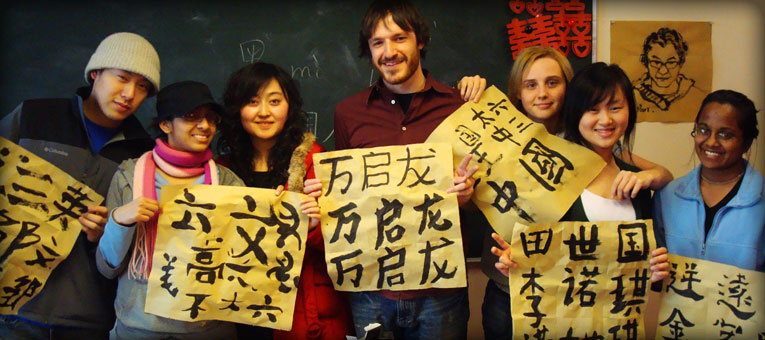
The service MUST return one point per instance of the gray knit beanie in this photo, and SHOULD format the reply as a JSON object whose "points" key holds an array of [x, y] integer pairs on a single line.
{"points": [[129, 52]]}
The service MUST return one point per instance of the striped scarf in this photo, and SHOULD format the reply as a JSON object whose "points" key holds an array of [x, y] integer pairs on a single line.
{"points": [[178, 164]]}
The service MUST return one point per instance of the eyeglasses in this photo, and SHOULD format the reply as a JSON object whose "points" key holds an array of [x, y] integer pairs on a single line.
{"points": [[657, 64], [197, 116], [702, 132]]}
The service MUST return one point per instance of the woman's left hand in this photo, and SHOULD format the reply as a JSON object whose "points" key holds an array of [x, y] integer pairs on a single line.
{"points": [[659, 264], [628, 184], [310, 207], [312, 187]]}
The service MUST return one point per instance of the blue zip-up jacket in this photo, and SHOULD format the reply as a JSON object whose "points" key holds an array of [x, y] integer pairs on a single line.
{"points": [[737, 236]]}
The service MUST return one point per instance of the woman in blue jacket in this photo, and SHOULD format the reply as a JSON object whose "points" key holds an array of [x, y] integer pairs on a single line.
{"points": [[717, 212]]}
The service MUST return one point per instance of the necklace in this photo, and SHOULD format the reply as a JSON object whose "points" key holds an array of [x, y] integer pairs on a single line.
{"points": [[728, 181]]}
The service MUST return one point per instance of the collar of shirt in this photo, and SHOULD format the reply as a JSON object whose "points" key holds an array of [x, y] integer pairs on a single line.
{"points": [[380, 91]]}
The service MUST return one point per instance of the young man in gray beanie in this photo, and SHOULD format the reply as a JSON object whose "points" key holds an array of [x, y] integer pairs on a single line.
{"points": [[87, 136]]}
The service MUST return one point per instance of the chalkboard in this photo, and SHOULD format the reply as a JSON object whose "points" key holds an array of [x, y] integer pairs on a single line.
{"points": [[47, 44]]}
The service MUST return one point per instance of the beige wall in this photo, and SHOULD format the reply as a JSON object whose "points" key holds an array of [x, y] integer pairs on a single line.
{"points": [[738, 55]]}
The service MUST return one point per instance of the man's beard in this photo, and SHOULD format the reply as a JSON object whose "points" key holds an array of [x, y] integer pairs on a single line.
{"points": [[403, 75]]}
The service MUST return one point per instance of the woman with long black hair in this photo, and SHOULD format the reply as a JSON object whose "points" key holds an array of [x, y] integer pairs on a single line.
{"points": [[264, 141]]}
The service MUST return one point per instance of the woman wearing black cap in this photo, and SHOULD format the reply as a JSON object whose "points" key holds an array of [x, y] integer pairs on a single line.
{"points": [[188, 116]]}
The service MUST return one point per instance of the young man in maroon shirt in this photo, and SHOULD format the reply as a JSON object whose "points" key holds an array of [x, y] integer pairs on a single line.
{"points": [[403, 107]]}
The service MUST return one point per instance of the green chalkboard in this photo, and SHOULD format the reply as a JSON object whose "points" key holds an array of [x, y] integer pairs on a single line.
{"points": [[46, 45]]}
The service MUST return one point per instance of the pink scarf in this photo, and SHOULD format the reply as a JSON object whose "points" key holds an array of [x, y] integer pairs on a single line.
{"points": [[178, 164]]}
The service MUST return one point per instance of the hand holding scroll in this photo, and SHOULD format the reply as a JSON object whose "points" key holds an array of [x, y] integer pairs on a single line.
{"points": [[312, 187], [471, 88], [504, 263], [139, 210], [310, 207], [659, 264], [93, 222], [463, 181]]}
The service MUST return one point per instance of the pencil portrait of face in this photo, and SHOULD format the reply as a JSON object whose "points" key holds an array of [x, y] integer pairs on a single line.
{"points": [[663, 57]]}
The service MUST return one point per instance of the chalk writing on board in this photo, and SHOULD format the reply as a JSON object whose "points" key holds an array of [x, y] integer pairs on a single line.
{"points": [[307, 71], [300, 71], [200, 18], [313, 121], [329, 136], [252, 50]]}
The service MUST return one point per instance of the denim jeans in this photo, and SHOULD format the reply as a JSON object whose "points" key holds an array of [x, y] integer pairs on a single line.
{"points": [[13, 328], [428, 317], [496, 318], [225, 331]]}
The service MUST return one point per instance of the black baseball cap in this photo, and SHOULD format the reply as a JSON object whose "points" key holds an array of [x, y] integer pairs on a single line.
{"points": [[180, 98]]}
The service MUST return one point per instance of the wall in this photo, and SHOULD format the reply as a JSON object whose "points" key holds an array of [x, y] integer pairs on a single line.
{"points": [[738, 56]]}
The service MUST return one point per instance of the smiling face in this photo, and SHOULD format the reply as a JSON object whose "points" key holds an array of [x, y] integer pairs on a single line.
{"points": [[118, 93], [395, 54], [189, 134], [543, 89], [605, 123], [265, 115], [718, 138]]}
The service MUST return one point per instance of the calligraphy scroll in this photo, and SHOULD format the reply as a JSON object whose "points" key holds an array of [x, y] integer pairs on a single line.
{"points": [[39, 207], [227, 253], [705, 300], [387, 220], [580, 280], [525, 174]]}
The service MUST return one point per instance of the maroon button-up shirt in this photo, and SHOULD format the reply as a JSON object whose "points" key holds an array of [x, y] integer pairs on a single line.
{"points": [[373, 118]]}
